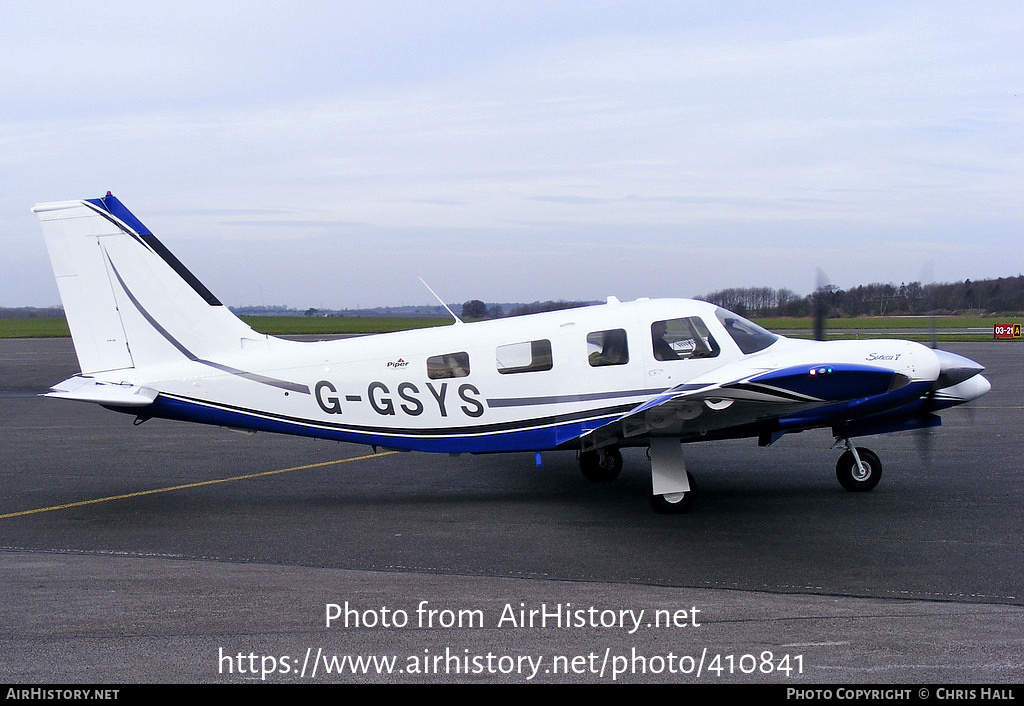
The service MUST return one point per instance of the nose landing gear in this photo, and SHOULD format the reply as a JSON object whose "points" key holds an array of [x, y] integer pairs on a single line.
{"points": [[858, 469]]}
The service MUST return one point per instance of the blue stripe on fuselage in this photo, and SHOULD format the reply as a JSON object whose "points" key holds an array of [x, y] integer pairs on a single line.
{"points": [[851, 409], [532, 439], [833, 383]]}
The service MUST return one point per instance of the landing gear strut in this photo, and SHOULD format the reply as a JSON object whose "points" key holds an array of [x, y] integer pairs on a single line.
{"points": [[672, 486], [858, 469]]}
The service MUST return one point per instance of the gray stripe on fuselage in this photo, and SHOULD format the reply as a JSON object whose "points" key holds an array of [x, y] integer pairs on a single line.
{"points": [[255, 377]]}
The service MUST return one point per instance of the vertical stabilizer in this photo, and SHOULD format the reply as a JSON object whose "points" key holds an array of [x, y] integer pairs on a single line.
{"points": [[129, 302]]}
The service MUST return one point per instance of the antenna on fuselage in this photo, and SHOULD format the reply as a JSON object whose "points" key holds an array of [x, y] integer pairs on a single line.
{"points": [[447, 308]]}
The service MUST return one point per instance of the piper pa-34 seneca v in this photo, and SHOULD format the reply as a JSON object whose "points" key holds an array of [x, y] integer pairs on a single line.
{"points": [[152, 341]]}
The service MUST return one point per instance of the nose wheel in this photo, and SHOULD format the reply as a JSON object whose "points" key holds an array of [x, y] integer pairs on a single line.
{"points": [[858, 469]]}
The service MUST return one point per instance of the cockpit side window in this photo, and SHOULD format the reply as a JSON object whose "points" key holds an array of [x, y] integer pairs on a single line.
{"points": [[682, 339], [607, 348], [750, 337]]}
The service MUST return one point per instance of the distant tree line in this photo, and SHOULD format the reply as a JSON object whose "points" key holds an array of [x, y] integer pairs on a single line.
{"points": [[1002, 295], [31, 312], [476, 309]]}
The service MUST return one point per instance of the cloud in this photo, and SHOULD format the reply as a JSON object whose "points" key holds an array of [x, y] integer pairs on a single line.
{"points": [[618, 138]]}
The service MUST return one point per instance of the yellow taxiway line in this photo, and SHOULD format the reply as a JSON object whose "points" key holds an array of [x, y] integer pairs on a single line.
{"points": [[196, 485]]}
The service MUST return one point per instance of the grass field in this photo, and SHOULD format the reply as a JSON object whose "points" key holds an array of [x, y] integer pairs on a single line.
{"points": [[884, 322], [273, 325], [948, 328], [33, 328], [912, 328], [300, 325]]}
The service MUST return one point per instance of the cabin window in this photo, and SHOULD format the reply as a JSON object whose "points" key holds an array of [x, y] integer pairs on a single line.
{"points": [[449, 365], [750, 337], [607, 348], [525, 357], [682, 339]]}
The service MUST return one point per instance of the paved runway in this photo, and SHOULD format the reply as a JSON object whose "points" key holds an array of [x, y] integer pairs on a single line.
{"points": [[159, 554]]}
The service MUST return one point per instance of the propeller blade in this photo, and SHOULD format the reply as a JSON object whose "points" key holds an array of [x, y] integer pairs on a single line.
{"points": [[820, 294], [924, 445], [928, 280]]}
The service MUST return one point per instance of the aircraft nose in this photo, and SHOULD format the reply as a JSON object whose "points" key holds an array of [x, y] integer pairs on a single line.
{"points": [[954, 369]]}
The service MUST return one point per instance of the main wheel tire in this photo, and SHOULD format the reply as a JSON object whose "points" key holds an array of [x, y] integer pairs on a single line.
{"points": [[601, 465], [675, 503], [859, 479]]}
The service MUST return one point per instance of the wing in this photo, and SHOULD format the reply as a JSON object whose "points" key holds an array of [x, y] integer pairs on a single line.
{"points": [[764, 402]]}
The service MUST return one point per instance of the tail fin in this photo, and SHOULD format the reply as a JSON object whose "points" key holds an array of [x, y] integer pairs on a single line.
{"points": [[129, 302]]}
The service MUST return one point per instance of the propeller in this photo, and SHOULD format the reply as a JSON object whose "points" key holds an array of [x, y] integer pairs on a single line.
{"points": [[953, 370], [928, 278], [820, 294], [924, 445], [924, 436]]}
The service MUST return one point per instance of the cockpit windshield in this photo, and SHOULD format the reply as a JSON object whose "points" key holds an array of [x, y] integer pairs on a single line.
{"points": [[750, 337]]}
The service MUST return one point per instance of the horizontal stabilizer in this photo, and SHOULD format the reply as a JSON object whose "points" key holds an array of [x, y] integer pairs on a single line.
{"points": [[105, 393]]}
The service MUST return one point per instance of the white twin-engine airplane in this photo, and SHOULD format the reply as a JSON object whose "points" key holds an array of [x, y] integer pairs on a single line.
{"points": [[152, 341]]}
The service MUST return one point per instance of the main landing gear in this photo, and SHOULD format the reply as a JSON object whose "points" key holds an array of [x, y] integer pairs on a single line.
{"points": [[675, 503], [858, 469], [672, 486], [601, 465]]}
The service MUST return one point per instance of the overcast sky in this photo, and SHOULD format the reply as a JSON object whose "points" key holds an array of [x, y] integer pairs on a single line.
{"points": [[328, 154]]}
